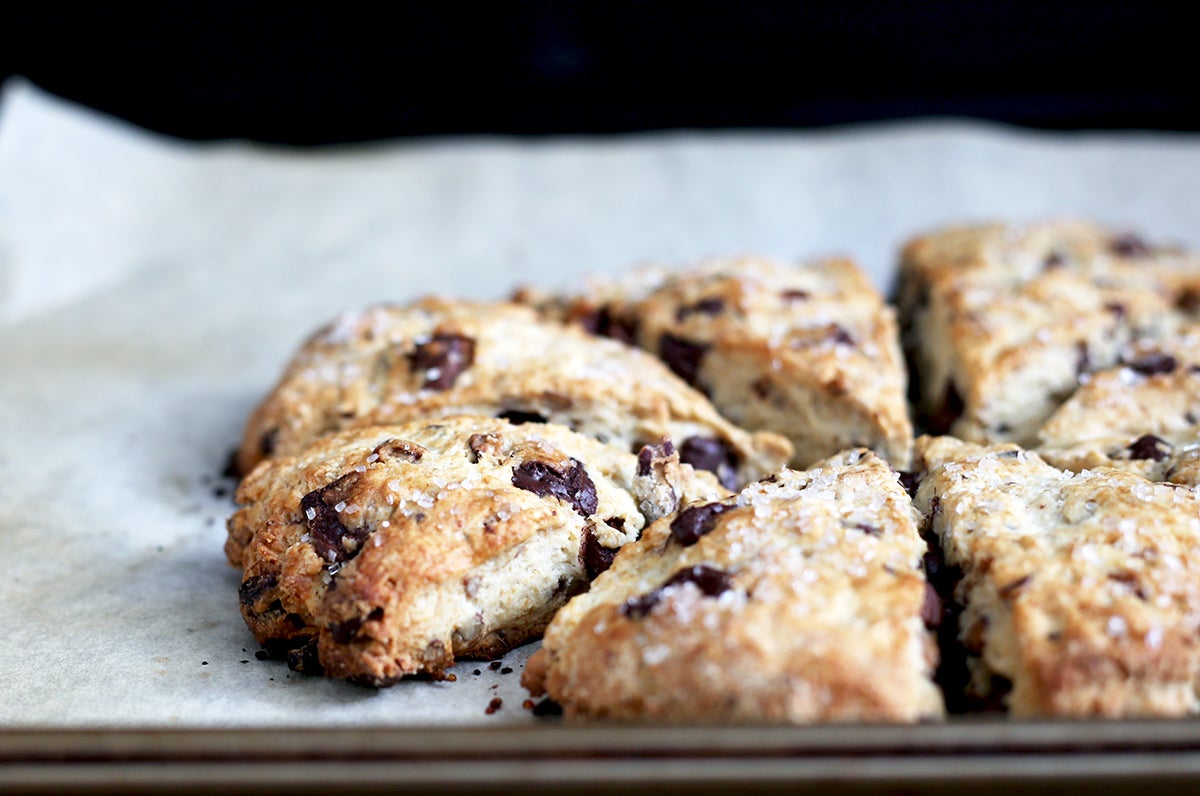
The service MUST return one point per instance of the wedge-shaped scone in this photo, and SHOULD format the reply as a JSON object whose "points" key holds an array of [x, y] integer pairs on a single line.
{"points": [[381, 552], [800, 599], [809, 351], [439, 358], [1080, 591], [1002, 323]]}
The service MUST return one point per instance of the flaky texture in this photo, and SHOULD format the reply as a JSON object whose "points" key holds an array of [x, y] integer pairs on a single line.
{"points": [[798, 600], [381, 552], [809, 351], [1002, 323], [439, 358], [1082, 590]]}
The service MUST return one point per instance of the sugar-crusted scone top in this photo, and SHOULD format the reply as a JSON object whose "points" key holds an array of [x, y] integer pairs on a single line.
{"points": [[1082, 589], [800, 599], [1003, 321], [440, 358], [380, 552], [807, 350]]}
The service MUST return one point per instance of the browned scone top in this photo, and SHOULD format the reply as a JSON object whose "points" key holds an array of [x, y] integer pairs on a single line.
{"points": [[379, 552], [1082, 590], [798, 600], [438, 357], [810, 351], [1002, 323]]}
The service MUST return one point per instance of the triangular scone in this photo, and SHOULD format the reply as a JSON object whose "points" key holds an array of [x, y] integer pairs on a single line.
{"points": [[801, 599], [1081, 591], [437, 358], [1002, 323], [809, 351], [380, 552]]}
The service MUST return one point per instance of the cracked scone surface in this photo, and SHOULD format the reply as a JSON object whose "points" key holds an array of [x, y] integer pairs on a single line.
{"points": [[800, 599], [381, 552], [1081, 590], [1002, 323], [440, 357], [809, 350]]}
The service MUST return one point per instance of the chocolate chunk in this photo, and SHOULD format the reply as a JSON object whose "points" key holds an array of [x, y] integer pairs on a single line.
{"points": [[1054, 259], [304, 659], [1149, 447], [574, 486], [442, 359], [1153, 363], [604, 323], [682, 356], [253, 588], [705, 306], [910, 481], [695, 521], [346, 632], [595, 557], [1083, 361], [393, 448], [332, 540], [518, 418], [708, 453], [268, 441], [839, 335], [1189, 301], [795, 295], [931, 608], [943, 418], [547, 707], [869, 530], [1117, 309], [1129, 245], [648, 453], [712, 582]]}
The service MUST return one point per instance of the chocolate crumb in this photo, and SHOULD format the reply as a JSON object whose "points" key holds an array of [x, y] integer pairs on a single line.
{"points": [[494, 705], [262, 655], [527, 704], [494, 665], [477, 672], [506, 670]]}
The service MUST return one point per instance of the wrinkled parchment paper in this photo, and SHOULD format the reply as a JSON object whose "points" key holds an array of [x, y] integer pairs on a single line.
{"points": [[151, 291]]}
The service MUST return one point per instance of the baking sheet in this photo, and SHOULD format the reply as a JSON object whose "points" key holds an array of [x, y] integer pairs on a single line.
{"points": [[151, 291]]}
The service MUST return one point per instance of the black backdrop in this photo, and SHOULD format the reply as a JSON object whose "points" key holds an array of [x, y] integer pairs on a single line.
{"points": [[306, 73]]}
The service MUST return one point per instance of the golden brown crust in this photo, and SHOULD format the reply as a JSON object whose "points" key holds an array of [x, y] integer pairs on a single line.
{"points": [[1001, 323], [800, 600], [396, 549], [439, 358], [1083, 590], [808, 351]]}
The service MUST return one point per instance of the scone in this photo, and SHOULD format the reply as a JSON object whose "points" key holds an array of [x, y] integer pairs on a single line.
{"points": [[380, 552], [808, 351], [1080, 591], [800, 599], [438, 358], [1002, 323]]}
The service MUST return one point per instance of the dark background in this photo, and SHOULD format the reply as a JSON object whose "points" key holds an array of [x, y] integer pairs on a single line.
{"points": [[308, 73]]}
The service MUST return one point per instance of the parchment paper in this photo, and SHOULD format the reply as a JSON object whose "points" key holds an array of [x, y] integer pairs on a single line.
{"points": [[151, 291]]}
